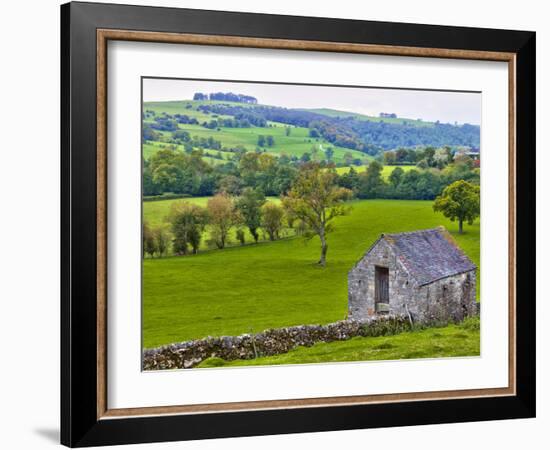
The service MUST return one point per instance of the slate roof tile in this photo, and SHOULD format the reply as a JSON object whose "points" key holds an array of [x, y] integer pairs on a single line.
{"points": [[429, 255]]}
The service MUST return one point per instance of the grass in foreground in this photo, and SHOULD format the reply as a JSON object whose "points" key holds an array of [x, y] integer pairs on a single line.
{"points": [[449, 341], [275, 284]]}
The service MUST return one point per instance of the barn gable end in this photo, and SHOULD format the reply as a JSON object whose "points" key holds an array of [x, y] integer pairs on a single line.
{"points": [[428, 277]]}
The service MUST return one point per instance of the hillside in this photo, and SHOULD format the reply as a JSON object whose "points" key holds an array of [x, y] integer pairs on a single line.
{"points": [[295, 132], [210, 144], [293, 143], [345, 114]]}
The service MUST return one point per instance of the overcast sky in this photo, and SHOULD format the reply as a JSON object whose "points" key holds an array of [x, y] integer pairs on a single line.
{"points": [[447, 107]]}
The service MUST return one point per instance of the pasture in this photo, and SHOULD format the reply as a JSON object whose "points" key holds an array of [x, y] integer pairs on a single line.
{"points": [[295, 144], [386, 170], [251, 288], [343, 114]]}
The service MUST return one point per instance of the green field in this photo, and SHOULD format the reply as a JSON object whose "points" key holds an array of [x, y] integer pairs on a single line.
{"points": [[249, 289], [386, 170], [296, 144], [151, 147], [187, 107], [343, 114], [450, 341]]}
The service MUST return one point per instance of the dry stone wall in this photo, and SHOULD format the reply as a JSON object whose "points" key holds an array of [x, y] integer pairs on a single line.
{"points": [[186, 355]]}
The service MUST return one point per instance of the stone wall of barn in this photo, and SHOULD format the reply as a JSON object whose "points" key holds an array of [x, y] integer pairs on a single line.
{"points": [[361, 284], [452, 298]]}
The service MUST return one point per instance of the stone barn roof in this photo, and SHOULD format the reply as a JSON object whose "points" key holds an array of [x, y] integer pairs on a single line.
{"points": [[428, 255]]}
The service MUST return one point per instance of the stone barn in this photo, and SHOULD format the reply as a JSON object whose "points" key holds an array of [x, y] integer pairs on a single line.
{"points": [[421, 274]]}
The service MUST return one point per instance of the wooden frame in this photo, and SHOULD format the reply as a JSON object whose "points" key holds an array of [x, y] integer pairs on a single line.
{"points": [[86, 418]]}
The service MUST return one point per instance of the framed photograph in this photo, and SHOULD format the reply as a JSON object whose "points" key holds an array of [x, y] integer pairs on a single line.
{"points": [[278, 224]]}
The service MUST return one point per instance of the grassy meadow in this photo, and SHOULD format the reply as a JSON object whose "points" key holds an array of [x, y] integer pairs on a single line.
{"points": [[296, 144], [251, 288], [343, 114], [386, 170]]}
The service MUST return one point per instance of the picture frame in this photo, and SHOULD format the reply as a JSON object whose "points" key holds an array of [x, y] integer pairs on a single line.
{"points": [[86, 418]]}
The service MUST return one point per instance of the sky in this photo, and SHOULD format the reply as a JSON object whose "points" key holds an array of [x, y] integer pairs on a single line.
{"points": [[445, 106]]}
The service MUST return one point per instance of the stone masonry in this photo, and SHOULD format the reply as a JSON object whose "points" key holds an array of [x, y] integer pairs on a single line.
{"points": [[429, 278]]}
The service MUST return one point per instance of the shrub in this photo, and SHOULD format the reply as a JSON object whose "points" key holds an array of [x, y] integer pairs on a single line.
{"points": [[272, 220], [387, 327], [166, 196], [241, 236], [471, 323]]}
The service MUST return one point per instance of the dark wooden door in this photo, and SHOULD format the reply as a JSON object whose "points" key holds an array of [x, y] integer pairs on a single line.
{"points": [[382, 290]]}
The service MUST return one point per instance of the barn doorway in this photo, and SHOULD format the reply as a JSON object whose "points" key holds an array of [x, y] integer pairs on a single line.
{"points": [[381, 290]]}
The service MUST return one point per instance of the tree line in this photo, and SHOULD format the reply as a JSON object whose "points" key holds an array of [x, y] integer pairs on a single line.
{"points": [[414, 184], [309, 208], [227, 96], [185, 226], [187, 173]]}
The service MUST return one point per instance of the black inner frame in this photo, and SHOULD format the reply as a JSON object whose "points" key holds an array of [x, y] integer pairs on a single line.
{"points": [[79, 424]]}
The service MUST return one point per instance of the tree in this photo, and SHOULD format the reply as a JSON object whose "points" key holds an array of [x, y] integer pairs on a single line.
{"points": [[249, 206], [147, 239], [261, 140], [422, 164], [188, 222], [314, 152], [370, 181], [272, 219], [428, 155], [401, 155], [441, 158], [412, 155], [230, 184], [348, 158], [223, 216], [287, 131], [241, 236], [459, 201], [316, 200], [149, 244], [462, 159], [350, 179], [270, 141], [314, 133], [162, 238], [389, 158], [329, 153], [396, 176]]}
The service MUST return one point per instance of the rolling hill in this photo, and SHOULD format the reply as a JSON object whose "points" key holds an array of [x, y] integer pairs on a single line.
{"points": [[295, 132]]}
